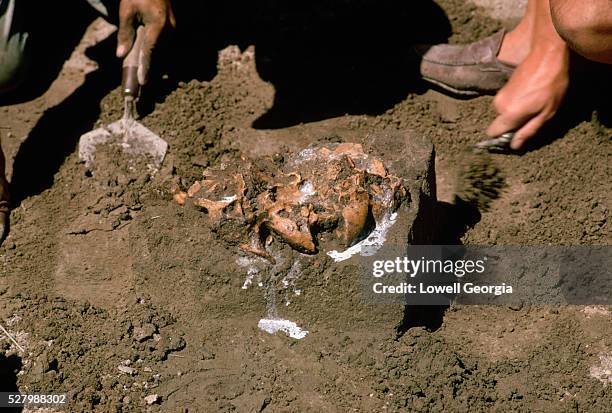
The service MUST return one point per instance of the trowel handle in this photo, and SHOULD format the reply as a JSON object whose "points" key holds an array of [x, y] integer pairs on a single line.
{"points": [[129, 79]]}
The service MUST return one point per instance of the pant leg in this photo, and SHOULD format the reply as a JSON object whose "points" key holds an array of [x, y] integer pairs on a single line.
{"points": [[14, 50]]}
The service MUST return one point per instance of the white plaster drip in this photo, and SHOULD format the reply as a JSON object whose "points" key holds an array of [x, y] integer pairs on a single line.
{"points": [[251, 272], [288, 280], [273, 323], [290, 328]]}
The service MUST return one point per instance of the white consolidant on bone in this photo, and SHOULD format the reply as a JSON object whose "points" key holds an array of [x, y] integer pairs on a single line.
{"points": [[369, 245], [307, 190]]}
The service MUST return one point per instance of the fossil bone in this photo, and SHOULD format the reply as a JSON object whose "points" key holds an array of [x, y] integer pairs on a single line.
{"points": [[331, 190]]}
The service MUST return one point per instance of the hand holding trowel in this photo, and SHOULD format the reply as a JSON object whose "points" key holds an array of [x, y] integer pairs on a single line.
{"points": [[133, 137]]}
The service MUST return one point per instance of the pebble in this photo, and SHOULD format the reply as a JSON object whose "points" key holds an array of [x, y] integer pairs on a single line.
{"points": [[127, 370], [151, 399], [144, 332]]}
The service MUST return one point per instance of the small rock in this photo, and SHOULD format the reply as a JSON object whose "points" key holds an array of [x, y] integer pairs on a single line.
{"points": [[148, 369], [206, 354], [151, 399], [122, 180], [126, 370], [144, 332], [200, 160]]}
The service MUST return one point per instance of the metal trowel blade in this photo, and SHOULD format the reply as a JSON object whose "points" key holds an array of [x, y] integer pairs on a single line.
{"points": [[500, 144], [135, 139]]}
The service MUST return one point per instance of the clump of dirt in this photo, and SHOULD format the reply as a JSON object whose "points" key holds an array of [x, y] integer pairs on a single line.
{"points": [[113, 163], [468, 22], [117, 182], [479, 181]]}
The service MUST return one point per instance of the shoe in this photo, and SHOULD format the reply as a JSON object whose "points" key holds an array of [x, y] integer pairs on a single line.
{"points": [[469, 70]]}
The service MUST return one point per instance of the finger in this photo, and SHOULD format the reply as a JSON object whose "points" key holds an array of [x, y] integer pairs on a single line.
{"points": [[528, 130], [505, 122], [125, 34], [151, 35]]}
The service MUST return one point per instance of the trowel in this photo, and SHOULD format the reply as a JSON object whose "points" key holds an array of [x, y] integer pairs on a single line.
{"points": [[134, 139], [501, 144]]}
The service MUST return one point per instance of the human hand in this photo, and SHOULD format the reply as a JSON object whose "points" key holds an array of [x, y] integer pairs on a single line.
{"points": [[154, 15], [533, 94]]}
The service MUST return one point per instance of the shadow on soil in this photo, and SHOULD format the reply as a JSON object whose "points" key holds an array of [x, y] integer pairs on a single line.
{"points": [[52, 36], [324, 58], [453, 221], [56, 134], [9, 366]]}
